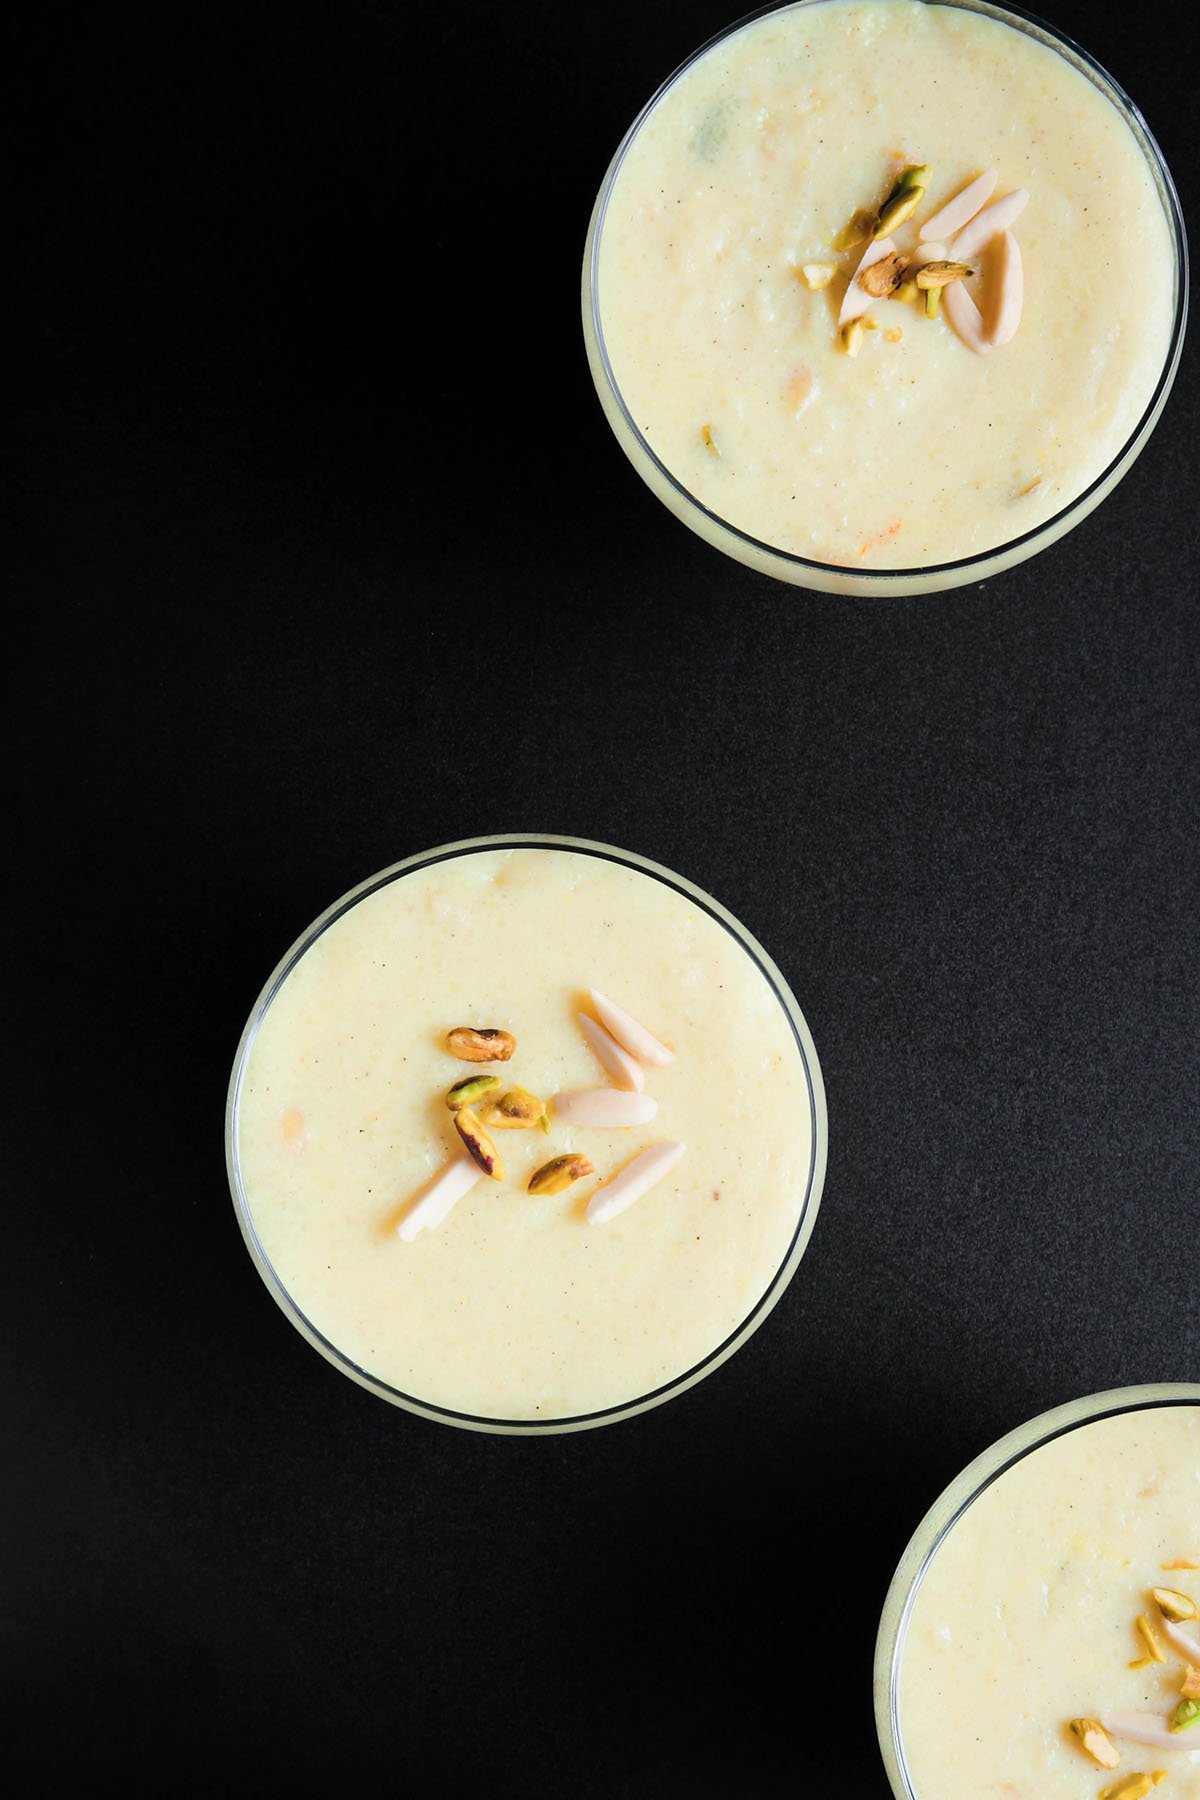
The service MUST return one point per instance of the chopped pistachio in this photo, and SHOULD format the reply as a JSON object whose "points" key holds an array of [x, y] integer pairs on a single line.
{"points": [[1190, 1689], [818, 275], [478, 1143], [941, 274], [1130, 1787], [485, 1046], [560, 1173], [515, 1110], [916, 175], [1095, 1740], [907, 291], [882, 278], [852, 337], [470, 1089], [856, 231], [544, 1123], [933, 302], [1172, 1605], [900, 204], [706, 432], [1186, 1714], [1145, 1631]]}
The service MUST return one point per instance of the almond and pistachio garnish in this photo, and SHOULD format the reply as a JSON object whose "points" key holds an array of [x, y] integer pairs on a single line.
{"points": [[1174, 1606], [515, 1110], [883, 277], [560, 1173], [907, 291], [1190, 1687], [1186, 1714], [933, 302], [1153, 1729], [480, 1046], [479, 1145], [1095, 1740], [1145, 1631], [817, 275], [852, 337], [470, 1089], [941, 273], [1129, 1787], [903, 201], [710, 442]]}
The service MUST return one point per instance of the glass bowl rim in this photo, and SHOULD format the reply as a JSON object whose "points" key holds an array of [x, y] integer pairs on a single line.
{"points": [[958, 569], [955, 1499], [813, 1186]]}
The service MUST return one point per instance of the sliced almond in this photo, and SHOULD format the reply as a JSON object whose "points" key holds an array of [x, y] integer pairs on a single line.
{"points": [[629, 1034], [616, 1107], [855, 301], [1182, 1642], [1143, 1728], [986, 225], [632, 1182], [1190, 1688], [438, 1198], [1010, 291], [618, 1063], [964, 316], [962, 209]]}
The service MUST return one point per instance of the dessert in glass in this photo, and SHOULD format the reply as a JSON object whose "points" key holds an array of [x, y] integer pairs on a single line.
{"points": [[882, 296], [1042, 1634], [526, 1134]]}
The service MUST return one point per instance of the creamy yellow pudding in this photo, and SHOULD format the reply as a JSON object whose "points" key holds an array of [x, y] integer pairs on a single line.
{"points": [[510, 1305], [1038, 1610], [721, 260]]}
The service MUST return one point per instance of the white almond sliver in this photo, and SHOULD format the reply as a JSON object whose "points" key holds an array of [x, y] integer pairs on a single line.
{"points": [[629, 1034], [1010, 291], [979, 232], [965, 317], [436, 1201], [1181, 1642], [1145, 1728], [856, 301], [609, 1054], [632, 1182], [927, 253], [962, 209], [604, 1106]]}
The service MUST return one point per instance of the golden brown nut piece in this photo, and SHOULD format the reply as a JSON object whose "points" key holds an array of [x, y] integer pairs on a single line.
{"points": [[480, 1046]]}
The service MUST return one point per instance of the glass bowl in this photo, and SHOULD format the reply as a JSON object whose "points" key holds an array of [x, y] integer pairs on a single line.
{"points": [[941, 1519], [809, 1199], [833, 577]]}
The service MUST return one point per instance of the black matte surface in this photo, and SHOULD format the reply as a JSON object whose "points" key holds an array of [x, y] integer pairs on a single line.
{"points": [[325, 554]]}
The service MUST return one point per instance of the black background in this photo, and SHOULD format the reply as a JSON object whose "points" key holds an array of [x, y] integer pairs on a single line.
{"points": [[325, 554]]}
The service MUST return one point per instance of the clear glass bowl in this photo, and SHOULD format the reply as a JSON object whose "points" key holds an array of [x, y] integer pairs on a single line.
{"points": [[941, 1519], [810, 1200], [831, 577]]}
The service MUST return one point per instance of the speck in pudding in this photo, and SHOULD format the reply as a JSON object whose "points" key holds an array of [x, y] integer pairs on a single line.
{"points": [[725, 251], [1036, 1621], [587, 1294]]}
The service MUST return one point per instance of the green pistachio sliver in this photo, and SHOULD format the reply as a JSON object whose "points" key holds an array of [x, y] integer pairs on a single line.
{"points": [[855, 231], [900, 204], [1186, 1714], [471, 1089], [544, 1123], [916, 175], [933, 302]]}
